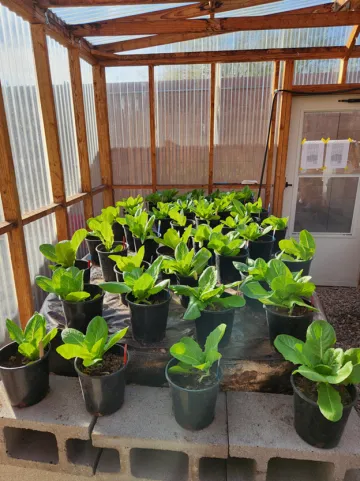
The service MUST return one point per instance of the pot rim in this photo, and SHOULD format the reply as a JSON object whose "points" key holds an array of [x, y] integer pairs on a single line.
{"points": [[268, 241], [293, 261], [167, 247], [83, 260], [102, 294], [47, 352], [150, 305], [172, 383], [222, 311], [82, 374], [354, 394], [268, 308], [99, 249], [235, 257], [92, 238]]}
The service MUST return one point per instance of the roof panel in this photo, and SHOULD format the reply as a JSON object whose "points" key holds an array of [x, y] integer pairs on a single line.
{"points": [[76, 15], [271, 8]]}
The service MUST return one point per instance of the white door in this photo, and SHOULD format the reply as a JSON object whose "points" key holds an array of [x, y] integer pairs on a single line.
{"points": [[324, 199]]}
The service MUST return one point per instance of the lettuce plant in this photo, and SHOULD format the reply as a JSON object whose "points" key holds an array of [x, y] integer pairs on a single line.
{"points": [[142, 285], [226, 245], [257, 270], [253, 231], [205, 210], [131, 204], [33, 339], [192, 359], [276, 223], [141, 225], [162, 196], [178, 217], [103, 230], [208, 295], [184, 204], [64, 253], [320, 362], [162, 210], [254, 207], [92, 346], [172, 238], [68, 284], [304, 250], [224, 202], [202, 233], [128, 263], [287, 289], [244, 195], [186, 262]]}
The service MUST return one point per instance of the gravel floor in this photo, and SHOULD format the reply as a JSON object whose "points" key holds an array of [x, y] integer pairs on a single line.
{"points": [[342, 309]]}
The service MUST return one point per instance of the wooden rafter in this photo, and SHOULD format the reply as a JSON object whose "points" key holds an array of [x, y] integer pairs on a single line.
{"points": [[350, 45]]}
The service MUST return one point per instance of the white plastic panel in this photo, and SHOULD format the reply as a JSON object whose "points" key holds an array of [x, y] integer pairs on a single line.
{"points": [[310, 72], [8, 304], [77, 221]]}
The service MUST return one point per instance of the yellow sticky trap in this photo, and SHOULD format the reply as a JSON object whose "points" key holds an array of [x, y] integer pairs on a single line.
{"points": [[300, 169], [303, 141], [325, 140], [346, 167], [351, 140], [323, 168]]}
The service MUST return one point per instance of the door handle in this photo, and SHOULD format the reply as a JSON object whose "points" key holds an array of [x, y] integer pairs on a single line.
{"points": [[287, 184]]}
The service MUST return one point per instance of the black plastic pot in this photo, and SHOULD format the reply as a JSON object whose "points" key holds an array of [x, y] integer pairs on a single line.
{"points": [[107, 264], [260, 216], [282, 323], [164, 251], [164, 226], [312, 426], [104, 395], [149, 321], [79, 314], [262, 247], [185, 281], [129, 238], [150, 248], [279, 235], [92, 242], [297, 266], [254, 304], [226, 271], [120, 278], [84, 266], [118, 231], [193, 409], [210, 320], [172, 278], [25, 385], [182, 228]]}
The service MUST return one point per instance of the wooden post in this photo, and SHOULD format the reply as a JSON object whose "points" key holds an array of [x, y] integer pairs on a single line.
{"points": [[50, 126], [102, 121], [343, 70], [283, 137], [152, 128], [270, 156], [80, 124], [212, 126], [12, 213]]}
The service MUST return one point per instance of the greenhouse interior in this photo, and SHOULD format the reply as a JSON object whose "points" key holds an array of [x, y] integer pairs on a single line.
{"points": [[179, 273]]}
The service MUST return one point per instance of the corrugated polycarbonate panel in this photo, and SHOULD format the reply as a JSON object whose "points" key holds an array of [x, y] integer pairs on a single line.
{"points": [[77, 221], [8, 304], [270, 8], [75, 15], [353, 70], [182, 101], [60, 75], [308, 72], [42, 231], [98, 203], [90, 119], [19, 86], [124, 193], [242, 103], [129, 121]]}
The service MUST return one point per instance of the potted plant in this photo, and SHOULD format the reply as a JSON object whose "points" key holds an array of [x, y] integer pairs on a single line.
{"points": [[185, 204], [223, 204], [201, 236], [140, 226], [228, 249], [170, 241], [187, 266], [244, 195], [24, 363], [288, 302], [162, 218], [127, 264], [209, 305], [251, 271], [205, 213], [63, 254], [279, 228], [256, 211], [131, 205], [107, 247], [179, 221], [323, 383], [260, 243], [100, 364], [194, 380], [298, 255], [80, 302], [148, 301], [161, 196]]}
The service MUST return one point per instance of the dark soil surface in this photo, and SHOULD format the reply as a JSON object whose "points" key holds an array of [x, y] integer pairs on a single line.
{"points": [[192, 381], [297, 311], [16, 361], [309, 388], [111, 363]]}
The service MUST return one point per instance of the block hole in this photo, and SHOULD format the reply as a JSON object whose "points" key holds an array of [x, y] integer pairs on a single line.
{"points": [[241, 469], [212, 469], [352, 475], [299, 470], [159, 465], [109, 461], [38, 446], [82, 453]]}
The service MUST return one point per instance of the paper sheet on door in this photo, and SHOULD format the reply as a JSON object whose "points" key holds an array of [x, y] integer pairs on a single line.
{"points": [[337, 154], [312, 155]]}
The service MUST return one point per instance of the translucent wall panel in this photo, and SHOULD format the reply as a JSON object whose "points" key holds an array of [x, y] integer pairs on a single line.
{"points": [[8, 304], [242, 103], [353, 71], [60, 74], [182, 123], [122, 193], [42, 231], [90, 119], [129, 122], [308, 72], [77, 221], [19, 86], [98, 203]]}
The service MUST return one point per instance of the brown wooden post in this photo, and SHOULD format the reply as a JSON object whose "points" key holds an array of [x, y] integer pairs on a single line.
{"points": [[343, 70], [50, 126], [152, 128], [102, 121], [12, 213], [212, 126], [283, 137], [270, 156], [80, 124]]}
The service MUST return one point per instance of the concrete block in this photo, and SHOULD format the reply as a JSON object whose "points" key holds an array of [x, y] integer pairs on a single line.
{"points": [[299, 470], [159, 464], [212, 469], [20, 473], [146, 421], [241, 469], [38, 436], [261, 428]]}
